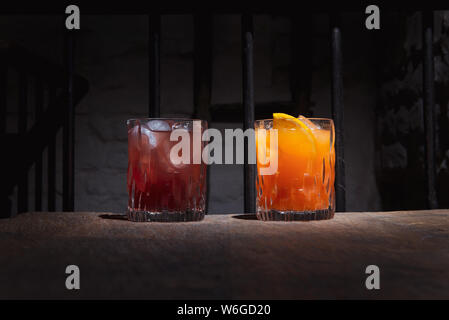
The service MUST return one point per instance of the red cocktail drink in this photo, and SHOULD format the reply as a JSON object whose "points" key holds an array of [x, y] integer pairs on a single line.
{"points": [[160, 186]]}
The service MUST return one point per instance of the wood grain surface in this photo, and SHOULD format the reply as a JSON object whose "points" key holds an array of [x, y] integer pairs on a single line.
{"points": [[226, 256]]}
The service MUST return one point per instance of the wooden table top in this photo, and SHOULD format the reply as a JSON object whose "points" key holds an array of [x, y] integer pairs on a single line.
{"points": [[226, 256]]}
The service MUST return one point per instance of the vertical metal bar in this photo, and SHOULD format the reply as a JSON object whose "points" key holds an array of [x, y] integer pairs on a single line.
{"points": [[202, 76], [68, 203], [248, 106], [338, 113], [301, 62], [429, 107], [39, 96], [51, 160], [378, 38], [154, 46], [5, 201], [22, 192], [3, 97], [203, 33]]}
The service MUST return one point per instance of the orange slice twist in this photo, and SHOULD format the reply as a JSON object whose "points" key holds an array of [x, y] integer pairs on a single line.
{"points": [[301, 122]]}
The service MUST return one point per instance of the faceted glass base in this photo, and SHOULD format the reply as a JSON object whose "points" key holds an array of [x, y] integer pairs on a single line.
{"points": [[164, 216], [275, 215]]}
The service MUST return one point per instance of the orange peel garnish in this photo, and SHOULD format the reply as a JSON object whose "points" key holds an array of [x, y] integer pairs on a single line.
{"points": [[298, 121]]}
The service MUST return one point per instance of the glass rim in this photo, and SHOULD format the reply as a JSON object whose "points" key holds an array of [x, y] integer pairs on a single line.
{"points": [[174, 119], [318, 119]]}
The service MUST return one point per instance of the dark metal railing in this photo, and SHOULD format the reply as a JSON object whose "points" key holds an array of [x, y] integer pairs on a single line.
{"points": [[38, 167], [202, 78], [248, 107], [429, 107], [68, 182], [202, 91], [338, 113], [3, 98], [301, 66], [155, 65], [51, 159], [22, 190], [56, 91], [45, 130]]}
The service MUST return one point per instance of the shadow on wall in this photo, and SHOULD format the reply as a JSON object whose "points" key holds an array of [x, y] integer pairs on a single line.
{"points": [[402, 177]]}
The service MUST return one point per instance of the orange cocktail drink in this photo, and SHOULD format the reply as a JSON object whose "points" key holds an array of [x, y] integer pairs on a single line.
{"points": [[300, 186]]}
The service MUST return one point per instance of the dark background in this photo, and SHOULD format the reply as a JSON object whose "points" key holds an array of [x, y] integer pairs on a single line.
{"points": [[384, 141]]}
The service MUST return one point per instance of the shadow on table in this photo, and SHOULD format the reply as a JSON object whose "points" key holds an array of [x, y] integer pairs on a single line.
{"points": [[245, 217], [113, 216]]}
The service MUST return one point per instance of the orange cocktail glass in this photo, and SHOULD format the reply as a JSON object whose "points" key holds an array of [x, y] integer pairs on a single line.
{"points": [[302, 186]]}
